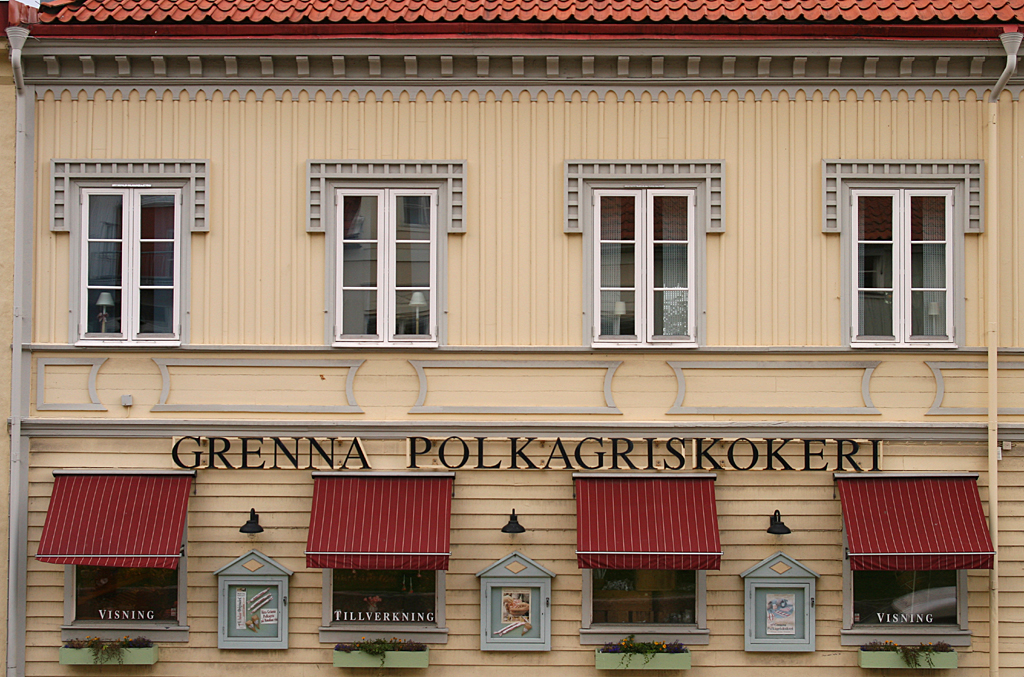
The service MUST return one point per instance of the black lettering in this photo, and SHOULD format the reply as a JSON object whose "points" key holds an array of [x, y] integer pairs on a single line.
{"points": [[702, 453], [624, 454], [358, 447], [480, 455], [875, 453], [650, 453], [197, 453], [678, 453], [412, 450], [247, 452], [808, 453], [294, 458], [563, 454], [840, 455], [755, 455], [579, 453], [465, 453], [517, 453], [219, 454], [319, 450], [772, 454]]}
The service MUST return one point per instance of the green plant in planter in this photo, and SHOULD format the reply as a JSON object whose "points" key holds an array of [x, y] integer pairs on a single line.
{"points": [[108, 651], [911, 654], [380, 646], [628, 648]]}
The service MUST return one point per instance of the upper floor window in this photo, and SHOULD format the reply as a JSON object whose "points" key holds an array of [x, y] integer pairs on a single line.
{"points": [[903, 267], [131, 266], [387, 266]]}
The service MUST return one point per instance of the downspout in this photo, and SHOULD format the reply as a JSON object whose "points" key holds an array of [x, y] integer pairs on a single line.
{"points": [[24, 173], [1011, 43]]}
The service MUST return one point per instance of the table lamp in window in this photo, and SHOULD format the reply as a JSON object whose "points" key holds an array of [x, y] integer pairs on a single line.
{"points": [[418, 300], [105, 302]]}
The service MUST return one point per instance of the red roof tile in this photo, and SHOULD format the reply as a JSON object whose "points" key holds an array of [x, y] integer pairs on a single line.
{"points": [[442, 11]]}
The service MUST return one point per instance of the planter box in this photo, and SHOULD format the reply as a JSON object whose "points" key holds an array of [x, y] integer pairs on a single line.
{"points": [[145, 656], [392, 659], [891, 660], [659, 661]]}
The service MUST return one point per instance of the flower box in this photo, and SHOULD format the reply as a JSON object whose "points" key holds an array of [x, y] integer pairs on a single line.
{"points": [[392, 659], [639, 661], [140, 656], [891, 660]]}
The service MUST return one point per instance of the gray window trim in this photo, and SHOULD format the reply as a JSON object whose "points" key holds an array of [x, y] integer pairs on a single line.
{"points": [[325, 177], [332, 633], [601, 633], [706, 178]]}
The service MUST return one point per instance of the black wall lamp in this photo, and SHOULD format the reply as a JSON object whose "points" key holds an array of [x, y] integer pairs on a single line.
{"points": [[777, 526], [513, 526], [253, 525]]}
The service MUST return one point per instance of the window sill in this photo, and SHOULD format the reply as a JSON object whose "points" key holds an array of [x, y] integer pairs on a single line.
{"points": [[946, 633], [642, 345], [332, 634], [382, 344], [116, 343], [154, 631], [903, 346], [687, 634]]}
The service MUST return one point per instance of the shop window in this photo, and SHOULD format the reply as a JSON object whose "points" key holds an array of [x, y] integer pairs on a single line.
{"points": [[904, 598], [394, 603], [651, 604]]}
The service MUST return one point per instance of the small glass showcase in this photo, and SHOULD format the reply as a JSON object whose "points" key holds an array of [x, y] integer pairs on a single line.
{"points": [[253, 603], [515, 605], [779, 605]]}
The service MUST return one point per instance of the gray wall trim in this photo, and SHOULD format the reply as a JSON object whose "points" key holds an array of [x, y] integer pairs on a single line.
{"points": [[940, 389], [94, 401], [351, 408], [865, 387], [899, 431], [422, 365]]}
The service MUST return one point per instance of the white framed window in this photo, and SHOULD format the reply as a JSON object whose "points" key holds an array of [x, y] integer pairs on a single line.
{"points": [[903, 267], [130, 258], [644, 267], [386, 266]]}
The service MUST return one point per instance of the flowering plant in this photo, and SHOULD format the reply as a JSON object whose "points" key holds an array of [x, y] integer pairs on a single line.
{"points": [[104, 651], [912, 654], [380, 646], [630, 647]]}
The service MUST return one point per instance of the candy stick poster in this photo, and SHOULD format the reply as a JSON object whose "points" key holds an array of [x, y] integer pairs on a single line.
{"points": [[780, 614]]}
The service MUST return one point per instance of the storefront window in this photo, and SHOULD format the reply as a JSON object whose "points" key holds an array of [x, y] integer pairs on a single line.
{"points": [[126, 594], [380, 596], [905, 598], [644, 596]]}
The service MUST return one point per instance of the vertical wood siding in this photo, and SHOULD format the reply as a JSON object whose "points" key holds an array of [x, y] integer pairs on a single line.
{"points": [[773, 279]]}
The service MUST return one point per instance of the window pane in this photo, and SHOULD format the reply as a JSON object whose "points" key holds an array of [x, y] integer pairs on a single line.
{"points": [[640, 596], [126, 594], [928, 313], [874, 266], [103, 311], [412, 312], [618, 217], [928, 266], [413, 217], [671, 312], [875, 313], [618, 265], [359, 217], [670, 215], [874, 217], [105, 216], [412, 264], [359, 264], [157, 217], [618, 313], [927, 217], [359, 312], [378, 596], [156, 311], [105, 264], [904, 598], [670, 265], [156, 263]]}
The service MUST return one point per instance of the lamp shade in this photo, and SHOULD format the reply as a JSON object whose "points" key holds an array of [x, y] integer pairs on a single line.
{"points": [[105, 300]]}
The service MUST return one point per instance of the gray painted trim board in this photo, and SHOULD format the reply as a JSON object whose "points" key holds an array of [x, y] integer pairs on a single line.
{"points": [[94, 400], [940, 389]]}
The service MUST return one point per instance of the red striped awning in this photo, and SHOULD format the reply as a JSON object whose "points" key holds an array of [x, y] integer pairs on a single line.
{"points": [[115, 519], [660, 522], [380, 522], [914, 523]]}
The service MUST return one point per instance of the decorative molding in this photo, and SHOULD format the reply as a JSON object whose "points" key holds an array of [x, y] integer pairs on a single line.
{"points": [[422, 365], [865, 387], [94, 401], [940, 389], [351, 408]]}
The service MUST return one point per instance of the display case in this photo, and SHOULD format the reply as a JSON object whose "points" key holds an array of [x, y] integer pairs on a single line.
{"points": [[252, 604], [778, 598], [515, 605]]}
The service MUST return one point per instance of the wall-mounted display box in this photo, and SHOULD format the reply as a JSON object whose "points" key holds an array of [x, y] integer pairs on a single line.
{"points": [[252, 604], [515, 605], [779, 596]]}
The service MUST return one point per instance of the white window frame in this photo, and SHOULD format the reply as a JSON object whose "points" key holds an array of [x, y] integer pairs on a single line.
{"points": [[901, 320], [130, 268], [601, 633], [644, 269], [332, 632], [386, 269]]}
